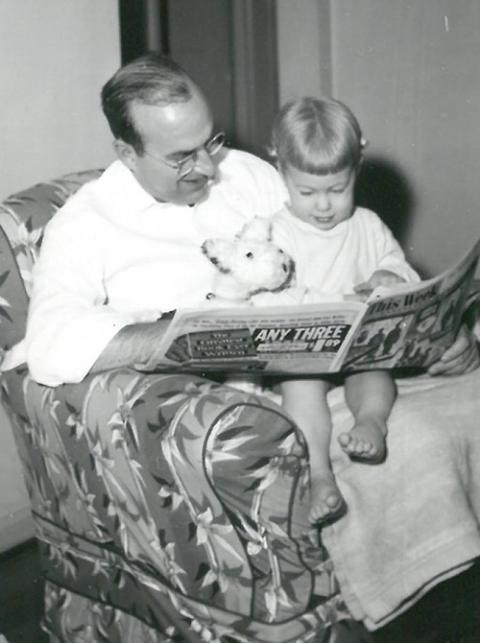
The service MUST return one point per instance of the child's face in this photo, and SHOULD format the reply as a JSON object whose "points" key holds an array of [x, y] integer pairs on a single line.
{"points": [[324, 201]]}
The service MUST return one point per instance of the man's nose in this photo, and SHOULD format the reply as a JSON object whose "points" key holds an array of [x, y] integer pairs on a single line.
{"points": [[204, 164]]}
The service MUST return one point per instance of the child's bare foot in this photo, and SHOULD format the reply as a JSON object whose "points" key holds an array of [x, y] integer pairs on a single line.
{"points": [[327, 501], [365, 441]]}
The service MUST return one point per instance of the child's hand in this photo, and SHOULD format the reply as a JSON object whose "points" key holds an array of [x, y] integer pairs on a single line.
{"points": [[384, 278]]}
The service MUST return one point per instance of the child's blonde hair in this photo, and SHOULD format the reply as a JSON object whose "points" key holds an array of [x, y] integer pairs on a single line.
{"points": [[317, 136]]}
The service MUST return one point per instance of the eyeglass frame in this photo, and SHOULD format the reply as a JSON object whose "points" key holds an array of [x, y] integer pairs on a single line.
{"points": [[219, 139]]}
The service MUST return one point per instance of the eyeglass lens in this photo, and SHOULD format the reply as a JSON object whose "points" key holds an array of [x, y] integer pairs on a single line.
{"points": [[211, 147]]}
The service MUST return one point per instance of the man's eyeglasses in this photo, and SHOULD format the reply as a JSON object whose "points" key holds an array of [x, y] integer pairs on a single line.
{"points": [[187, 163]]}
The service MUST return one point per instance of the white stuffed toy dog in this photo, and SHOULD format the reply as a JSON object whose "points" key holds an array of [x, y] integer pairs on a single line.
{"points": [[248, 266]]}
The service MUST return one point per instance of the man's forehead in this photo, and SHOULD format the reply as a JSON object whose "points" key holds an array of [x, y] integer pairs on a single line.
{"points": [[170, 110], [145, 113], [185, 123]]}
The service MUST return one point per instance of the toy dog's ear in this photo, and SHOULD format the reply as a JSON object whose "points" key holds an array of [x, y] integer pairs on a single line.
{"points": [[216, 250], [257, 229]]}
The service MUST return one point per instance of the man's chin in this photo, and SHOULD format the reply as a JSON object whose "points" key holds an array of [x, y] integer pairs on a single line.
{"points": [[195, 190]]}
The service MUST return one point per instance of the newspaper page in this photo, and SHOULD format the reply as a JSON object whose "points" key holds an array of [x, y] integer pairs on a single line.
{"points": [[310, 338], [410, 325], [414, 326]]}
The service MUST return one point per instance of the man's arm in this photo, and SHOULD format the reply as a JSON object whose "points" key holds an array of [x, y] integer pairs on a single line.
{"points": [[69, 321], [134, 345]]}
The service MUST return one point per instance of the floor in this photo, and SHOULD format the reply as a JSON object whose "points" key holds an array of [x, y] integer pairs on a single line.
{"points": [[449, 614], [21, 590]]}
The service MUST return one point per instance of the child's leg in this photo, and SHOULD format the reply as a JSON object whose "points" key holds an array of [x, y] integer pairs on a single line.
{"points": [[305, 400], [370, 396]]}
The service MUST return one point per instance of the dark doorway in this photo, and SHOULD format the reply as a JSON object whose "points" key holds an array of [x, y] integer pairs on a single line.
{"points": [[227, 46]]}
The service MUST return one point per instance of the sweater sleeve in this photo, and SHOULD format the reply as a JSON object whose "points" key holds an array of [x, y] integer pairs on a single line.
{"points": [[69, 322], [388, 252]]}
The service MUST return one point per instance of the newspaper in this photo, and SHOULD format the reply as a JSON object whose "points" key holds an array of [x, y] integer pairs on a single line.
{"points": [[408, 326]]}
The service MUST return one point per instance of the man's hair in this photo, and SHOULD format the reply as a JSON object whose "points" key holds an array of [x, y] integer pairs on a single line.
{"points": [[152, 79], [317, 136]]}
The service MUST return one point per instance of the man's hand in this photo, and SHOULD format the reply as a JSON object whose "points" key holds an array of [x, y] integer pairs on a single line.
{"points": [[134, 346], [462, 356]]}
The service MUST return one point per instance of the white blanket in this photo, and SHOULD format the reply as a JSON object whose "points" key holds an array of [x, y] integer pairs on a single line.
{"points": [[412, 521]]}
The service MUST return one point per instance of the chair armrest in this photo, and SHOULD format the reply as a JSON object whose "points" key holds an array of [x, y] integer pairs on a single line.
{"points": [[177, 491]]}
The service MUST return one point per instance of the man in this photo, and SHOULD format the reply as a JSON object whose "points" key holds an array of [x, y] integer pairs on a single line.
{"points": [[126, 248]]}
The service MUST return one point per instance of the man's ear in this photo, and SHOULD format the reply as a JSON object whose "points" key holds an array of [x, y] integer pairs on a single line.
{"points": [[125, 153]]}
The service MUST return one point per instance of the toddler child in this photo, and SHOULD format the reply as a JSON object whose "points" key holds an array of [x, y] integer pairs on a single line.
{"points": [[337, 247]]}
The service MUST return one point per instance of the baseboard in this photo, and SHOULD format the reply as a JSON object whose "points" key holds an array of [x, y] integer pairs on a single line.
{"points": [[15, 528]]}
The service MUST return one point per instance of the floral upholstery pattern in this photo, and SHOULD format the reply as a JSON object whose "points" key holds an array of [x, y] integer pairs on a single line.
{"points": [[24, 215], [13, 298], [167, 507]]}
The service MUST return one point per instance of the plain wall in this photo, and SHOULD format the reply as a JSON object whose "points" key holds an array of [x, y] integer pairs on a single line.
{"points": [[55, 56], [410, 71], [304, 50]]}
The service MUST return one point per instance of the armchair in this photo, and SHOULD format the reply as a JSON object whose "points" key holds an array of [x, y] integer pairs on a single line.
{"points": [[167, 507]]}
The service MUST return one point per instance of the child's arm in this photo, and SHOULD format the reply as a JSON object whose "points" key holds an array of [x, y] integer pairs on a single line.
{"points": [[385, 278]]}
